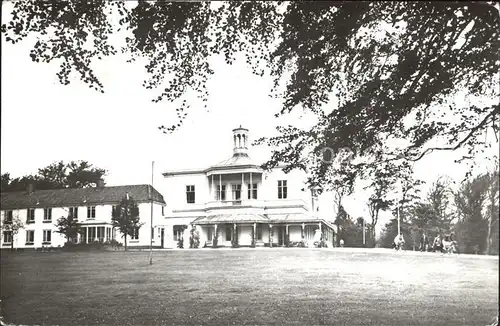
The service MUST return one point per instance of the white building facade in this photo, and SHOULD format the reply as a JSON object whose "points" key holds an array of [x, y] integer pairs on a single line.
{"points": [[39, 210], [236, 203]]}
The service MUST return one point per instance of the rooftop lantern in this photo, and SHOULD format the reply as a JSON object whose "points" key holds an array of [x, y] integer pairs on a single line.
{"points": [[240, 141]]}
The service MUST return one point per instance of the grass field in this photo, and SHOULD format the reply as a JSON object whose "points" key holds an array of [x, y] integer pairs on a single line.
{"points": [[239, 287]]}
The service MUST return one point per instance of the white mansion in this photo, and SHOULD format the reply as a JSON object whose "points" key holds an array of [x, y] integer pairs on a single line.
{"points": [[233, 203], [38, 210], [237, 203]]}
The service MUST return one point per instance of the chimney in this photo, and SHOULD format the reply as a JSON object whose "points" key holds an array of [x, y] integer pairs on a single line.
{"points": [[31, 187], [100, 183]]}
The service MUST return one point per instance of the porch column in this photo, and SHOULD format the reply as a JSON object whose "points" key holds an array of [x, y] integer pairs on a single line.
{"points": [[215, 233], [302, 231], [321, 237], [220, 187], [251, 187], [242, 185], [212, 188], [235, 234], [287, 237], [270, 235], [254, 237]]}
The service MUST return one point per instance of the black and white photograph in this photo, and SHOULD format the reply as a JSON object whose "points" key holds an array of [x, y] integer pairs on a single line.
{"points": [[249, 163]]}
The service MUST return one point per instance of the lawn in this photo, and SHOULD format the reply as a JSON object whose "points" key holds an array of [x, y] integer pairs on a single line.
{"points": [[242, 287]]}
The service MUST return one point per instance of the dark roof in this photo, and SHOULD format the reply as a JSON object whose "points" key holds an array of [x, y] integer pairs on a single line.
{"points": [[78, 196]]}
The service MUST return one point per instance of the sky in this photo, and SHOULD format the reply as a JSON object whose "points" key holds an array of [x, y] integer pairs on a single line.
{"points": [[44, 121]]}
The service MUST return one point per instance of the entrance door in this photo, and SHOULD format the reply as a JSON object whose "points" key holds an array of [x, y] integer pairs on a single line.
{"points": [[281, 236], [162, 236]]}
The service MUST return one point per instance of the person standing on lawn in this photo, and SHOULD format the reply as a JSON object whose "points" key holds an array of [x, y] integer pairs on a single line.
{"points": [[399, 241], [438, 243]]}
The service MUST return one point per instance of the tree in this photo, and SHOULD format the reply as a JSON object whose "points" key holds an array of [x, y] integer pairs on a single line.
{"points": [[492, 212], [439, 198], [125, 217], [17, 184], [384, 182], [341, 221], [68, 226], [81, 174], [13, 226], [472, 226], [5, 181], [339, 192], [369, 71], [422, 220], [57, 175], [377, 203]]}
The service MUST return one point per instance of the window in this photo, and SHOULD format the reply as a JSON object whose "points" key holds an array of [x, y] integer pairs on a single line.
{"points": [[7, 236], [30, 236], [236, 189], [252, 191], [258, 236], [47, 214], [73, 212], [282, 189], [8, 217], [221, 192], [135, 234], [31, 215], [91, 212], [47, 236], [229, 232], [190, 198], [178, 232]]}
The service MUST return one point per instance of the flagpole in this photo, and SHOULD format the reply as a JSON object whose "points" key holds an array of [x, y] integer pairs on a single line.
{"points": [[399, 223], [364, 242], [152, 230]]}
